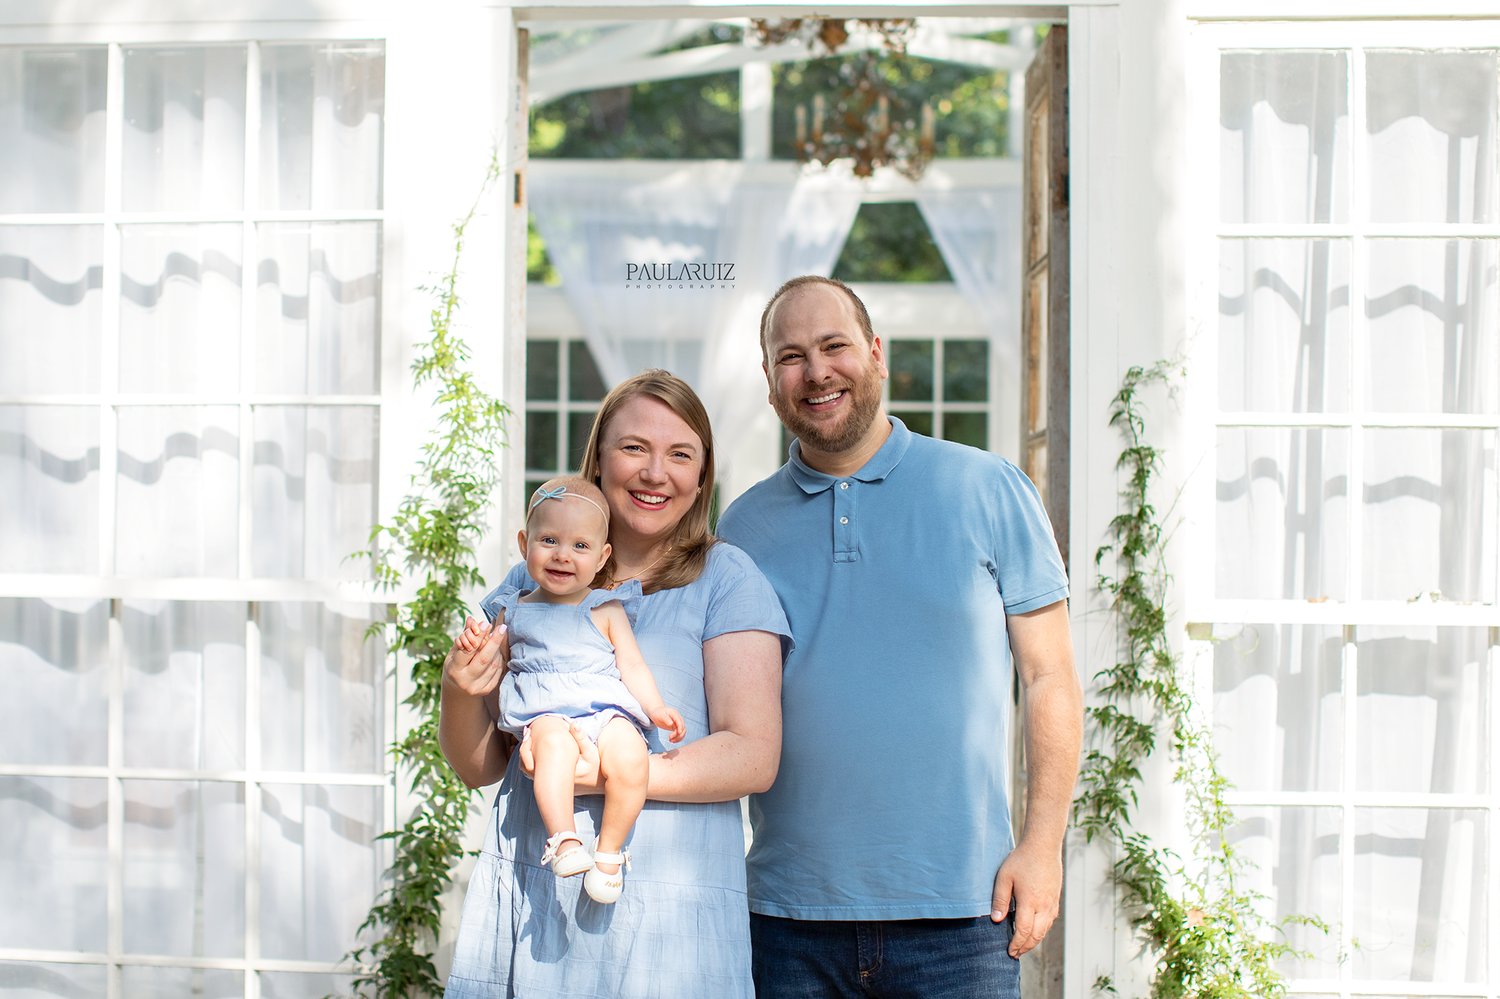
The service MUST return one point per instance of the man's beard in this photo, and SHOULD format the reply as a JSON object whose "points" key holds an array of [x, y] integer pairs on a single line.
{"points": [[864, 407]]}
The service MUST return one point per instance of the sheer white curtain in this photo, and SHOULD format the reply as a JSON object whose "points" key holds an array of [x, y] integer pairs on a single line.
{"points": [[978, 232], [1418, 344], [769, 224]]}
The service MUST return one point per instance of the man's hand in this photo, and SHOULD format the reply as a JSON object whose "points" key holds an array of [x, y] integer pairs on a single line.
{"points": [[1032, 879]]}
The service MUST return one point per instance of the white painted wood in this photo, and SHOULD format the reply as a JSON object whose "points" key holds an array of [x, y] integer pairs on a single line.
{"points": [[756, 96], [605, 10]]}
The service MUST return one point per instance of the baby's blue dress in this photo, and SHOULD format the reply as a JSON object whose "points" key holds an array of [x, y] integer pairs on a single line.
{"points": [[561, 663], [682, 927]]}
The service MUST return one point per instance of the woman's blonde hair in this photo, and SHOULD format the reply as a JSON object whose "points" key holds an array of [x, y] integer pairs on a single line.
{"points": [[690, 541]]}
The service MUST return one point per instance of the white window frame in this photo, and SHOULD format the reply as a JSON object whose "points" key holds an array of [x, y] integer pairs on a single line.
{"points": [[1207, 39], [145, 25]]}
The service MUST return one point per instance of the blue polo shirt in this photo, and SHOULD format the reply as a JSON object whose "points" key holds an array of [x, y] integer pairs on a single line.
{"points": [[890, 802]]}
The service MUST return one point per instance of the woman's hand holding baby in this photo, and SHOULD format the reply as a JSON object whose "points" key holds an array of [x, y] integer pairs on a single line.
{"points": [[476, 662]]}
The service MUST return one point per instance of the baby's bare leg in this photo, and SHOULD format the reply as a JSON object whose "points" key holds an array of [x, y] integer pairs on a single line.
{"points": [[556, 754], [624, 766]]}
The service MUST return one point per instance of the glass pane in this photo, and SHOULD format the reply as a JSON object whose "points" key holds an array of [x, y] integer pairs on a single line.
{"points": [[315, 476], [541, 441], [1429, 515], [1284, 136], [318, 302], [1431, 149], [322, 125], [1434, 343], [322, 689], [184, 868], [916, 421], [184, 141], [295, 985], [179, 491], [1419, 905], [1278, 707], [543, 368], [579, 425], [180, 308], [1281, 513], [531, 487], [1291, 858], [1431, 685], [1283, 325], [50, 307], [49, 471], [911, 370], [174, 983], [966, 371], [320, 868], [52, 117], [54, 659], [54, 859], [51, 981], [585, 384], [967, 428], [184, 700]]}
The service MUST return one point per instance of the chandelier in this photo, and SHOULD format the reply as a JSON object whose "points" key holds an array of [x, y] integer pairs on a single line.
{"points": [[855, 121]]}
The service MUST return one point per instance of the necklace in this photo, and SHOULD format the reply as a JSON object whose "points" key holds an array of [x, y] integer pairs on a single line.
{"points": [[615, 581]]}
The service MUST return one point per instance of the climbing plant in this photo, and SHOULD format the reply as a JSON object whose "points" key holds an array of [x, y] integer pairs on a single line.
{"points": [[1196, 916], [429, 546]]}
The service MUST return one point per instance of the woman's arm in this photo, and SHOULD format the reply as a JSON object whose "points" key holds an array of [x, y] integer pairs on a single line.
{"points": [[739, 756], [474, 747]]}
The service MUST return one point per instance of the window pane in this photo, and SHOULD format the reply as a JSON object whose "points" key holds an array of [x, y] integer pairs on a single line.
{"points": [[52, 117], [54, 659], [1431, 685], [585, 384], [1431, 117], [184, 699], [967, 428], [322, 689], [174, 983], [579, 425], [1291, 857], [318, 307], [294, 985], [51, 981], [50, 307], [541, 441], [1283, 325], [911, 370], [1429, 515], [49, 470], [184, 141], [1434, 343], [916, 421], [1261, 552], [320, 868], [1278, 707], [1419, 901], [315, 477], [1284, 137], [184, 868], [178, 507], [322, 125], [966, 371], [54, 855], [543, 362], [180, 308]]}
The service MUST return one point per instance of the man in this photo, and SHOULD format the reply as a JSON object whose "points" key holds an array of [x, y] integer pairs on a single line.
{"points": [[912, 570]]}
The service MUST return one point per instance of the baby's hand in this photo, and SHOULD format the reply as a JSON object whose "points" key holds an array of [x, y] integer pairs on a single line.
{"points": [[471, 639], [671, 720]]}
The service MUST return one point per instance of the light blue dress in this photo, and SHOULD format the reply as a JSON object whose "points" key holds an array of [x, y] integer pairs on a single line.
{"points": [[561, 663], [682, 928]]}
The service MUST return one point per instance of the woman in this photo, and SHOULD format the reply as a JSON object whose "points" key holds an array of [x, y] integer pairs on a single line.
{"points": [[713, 632]]}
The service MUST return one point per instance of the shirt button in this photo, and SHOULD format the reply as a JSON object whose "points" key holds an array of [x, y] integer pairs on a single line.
{"points": [[843, 520], [843, 485]]}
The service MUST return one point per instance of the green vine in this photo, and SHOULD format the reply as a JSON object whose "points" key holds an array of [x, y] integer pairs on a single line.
{"points": [[432, 538], [1204, 927]]}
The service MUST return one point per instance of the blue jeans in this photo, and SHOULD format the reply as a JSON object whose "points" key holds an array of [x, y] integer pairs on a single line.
{"points": [[897, 959]]}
